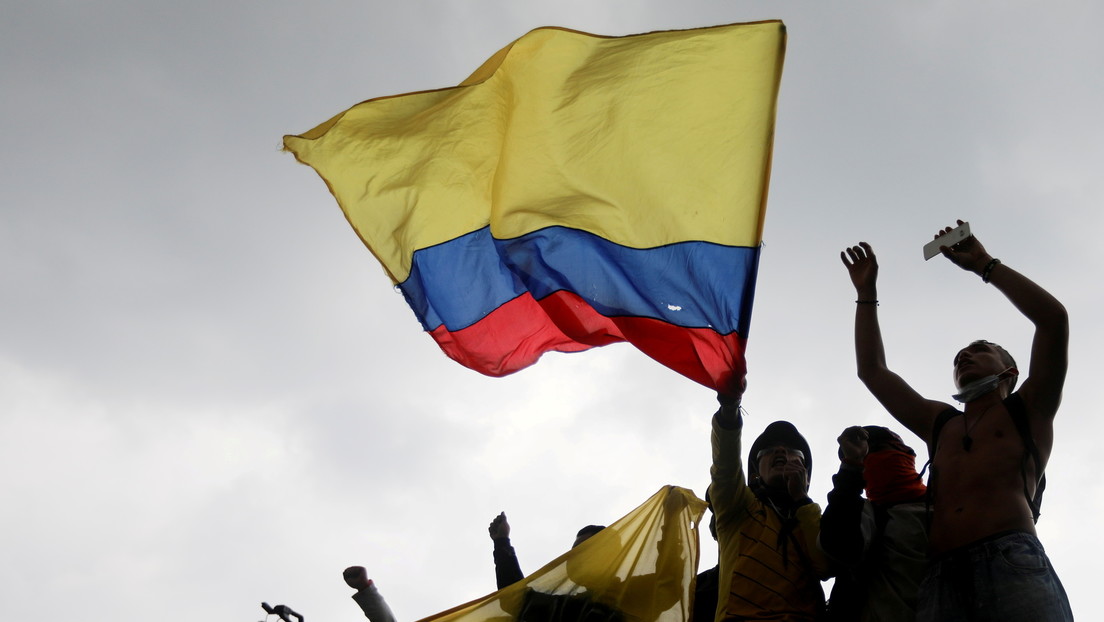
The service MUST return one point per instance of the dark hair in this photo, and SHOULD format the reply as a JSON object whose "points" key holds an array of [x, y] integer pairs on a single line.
{"points": [[589, 531], [585, 534]]}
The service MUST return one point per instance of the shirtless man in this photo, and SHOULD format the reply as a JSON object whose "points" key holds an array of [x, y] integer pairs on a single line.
{"points": [[987, 563]]}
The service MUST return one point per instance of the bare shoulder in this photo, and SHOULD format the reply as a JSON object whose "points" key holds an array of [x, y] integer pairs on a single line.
{"points": [[925, 415]]}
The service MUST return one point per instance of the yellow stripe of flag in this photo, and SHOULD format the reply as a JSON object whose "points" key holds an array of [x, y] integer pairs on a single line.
{"points": [[644, 140]]}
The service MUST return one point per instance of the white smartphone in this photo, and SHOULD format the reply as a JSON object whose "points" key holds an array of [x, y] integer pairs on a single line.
{"points": [[952, 237]]}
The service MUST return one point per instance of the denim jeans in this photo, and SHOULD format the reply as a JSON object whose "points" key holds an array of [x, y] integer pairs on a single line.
{"points": [[1004, 578]]}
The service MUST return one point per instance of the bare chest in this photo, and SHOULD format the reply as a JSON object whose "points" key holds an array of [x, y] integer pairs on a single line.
{"points": [[980, 458]]}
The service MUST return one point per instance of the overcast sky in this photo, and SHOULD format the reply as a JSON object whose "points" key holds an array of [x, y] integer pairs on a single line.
{"points": [[210, 394]]}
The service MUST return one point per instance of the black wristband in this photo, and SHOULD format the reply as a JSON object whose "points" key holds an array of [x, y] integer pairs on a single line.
{"points": [[988, 271]]}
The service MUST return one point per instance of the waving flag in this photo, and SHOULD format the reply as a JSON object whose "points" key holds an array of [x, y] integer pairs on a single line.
{"points": [[639, 569], [575, 191]]}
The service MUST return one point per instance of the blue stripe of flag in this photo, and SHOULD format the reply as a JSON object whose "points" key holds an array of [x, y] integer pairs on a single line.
{"points": [[688, 284]]}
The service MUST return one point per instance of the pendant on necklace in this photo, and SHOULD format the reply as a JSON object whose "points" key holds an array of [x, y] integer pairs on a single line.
{"points": [[967, 442]]}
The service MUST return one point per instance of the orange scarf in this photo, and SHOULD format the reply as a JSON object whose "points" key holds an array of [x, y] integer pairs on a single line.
{"points": [[891, 477]]}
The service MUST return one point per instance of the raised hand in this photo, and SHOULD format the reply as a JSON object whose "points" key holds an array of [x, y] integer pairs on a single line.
{"points": [[968, 254], [499, 528], [797, 480], [357, 577], [862, 267], [854, 445]]}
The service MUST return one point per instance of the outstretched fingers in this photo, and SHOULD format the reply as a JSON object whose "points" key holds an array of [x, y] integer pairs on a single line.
{"points": [[855, 254]]}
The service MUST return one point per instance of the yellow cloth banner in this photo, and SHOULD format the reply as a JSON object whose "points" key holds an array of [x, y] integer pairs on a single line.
{"points": [[645, 140], [639, 569]]}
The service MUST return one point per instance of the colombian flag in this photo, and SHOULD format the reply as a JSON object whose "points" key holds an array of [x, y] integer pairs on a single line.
{"points": [[575, 191]]}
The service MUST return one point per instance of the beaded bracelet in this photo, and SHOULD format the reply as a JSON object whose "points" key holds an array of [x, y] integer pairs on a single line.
{"points": [[989, 269]]}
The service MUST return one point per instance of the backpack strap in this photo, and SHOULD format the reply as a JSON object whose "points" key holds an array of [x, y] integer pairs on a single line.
{"points": [[933, 444], [1016, 408], [937, 427]]}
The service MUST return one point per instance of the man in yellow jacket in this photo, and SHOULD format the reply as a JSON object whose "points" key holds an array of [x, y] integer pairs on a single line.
{"points": [[767, 525]]}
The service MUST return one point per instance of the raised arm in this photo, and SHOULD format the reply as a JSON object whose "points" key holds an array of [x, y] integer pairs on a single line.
{"points": [[373, 605], [507, 569], [900, 399], [841, 526], [728, 487], [1042, 389]]}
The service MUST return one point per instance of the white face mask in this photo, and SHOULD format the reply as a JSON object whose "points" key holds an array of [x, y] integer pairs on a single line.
{"points": [[980, 387], [977, 388]]}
